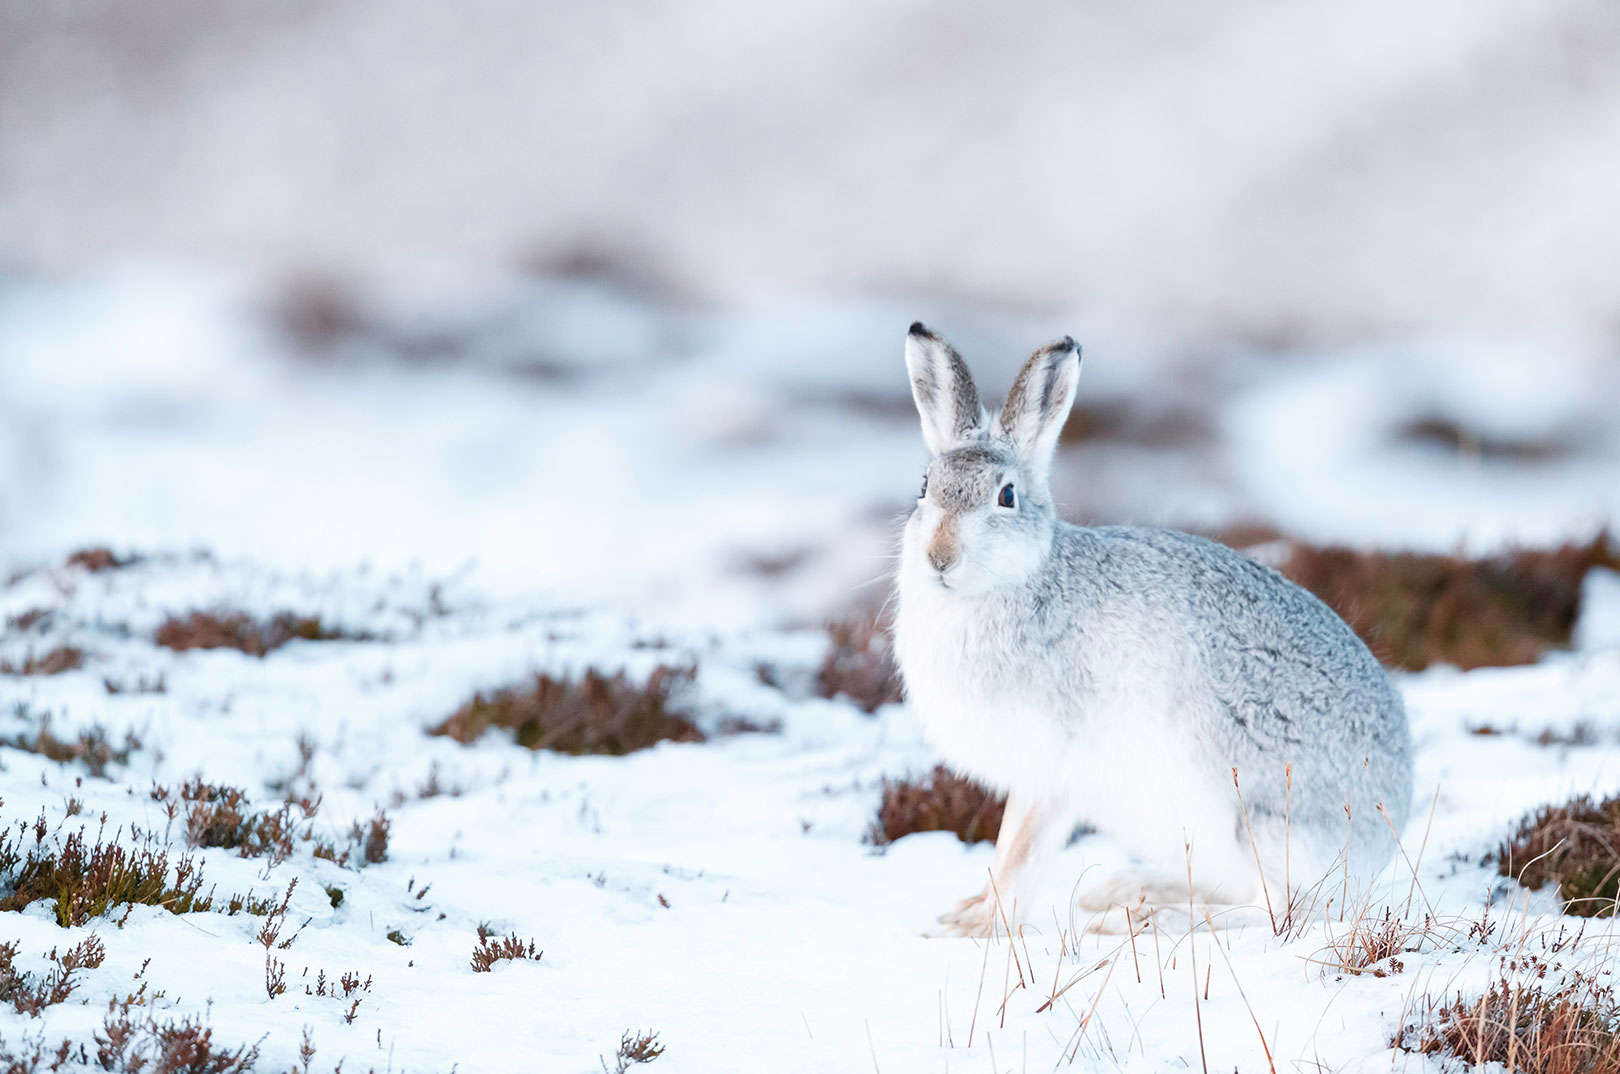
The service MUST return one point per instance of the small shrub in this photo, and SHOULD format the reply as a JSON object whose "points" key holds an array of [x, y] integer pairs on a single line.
{"points": [[55, 662], [131, 1044], [92, 747], [490, 951], [947, 802], [140, 684], [235, 630], [594, 714], [1574, 845], [1567, 1025], [636, 1048], [859, 664], [217, 816], [373, 839], [100, 559], [86, 881], [1415, 610], [29, 994], [25, 621]]}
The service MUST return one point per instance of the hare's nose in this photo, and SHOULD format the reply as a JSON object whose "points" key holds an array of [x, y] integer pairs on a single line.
{"points": [[943, 551]]}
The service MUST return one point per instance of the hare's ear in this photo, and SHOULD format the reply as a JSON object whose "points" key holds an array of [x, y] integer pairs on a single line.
{"points": [[1039, 403], [943, 389]]}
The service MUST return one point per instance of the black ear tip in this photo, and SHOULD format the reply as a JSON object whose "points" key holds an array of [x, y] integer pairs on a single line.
{"points": [[918, 329]]}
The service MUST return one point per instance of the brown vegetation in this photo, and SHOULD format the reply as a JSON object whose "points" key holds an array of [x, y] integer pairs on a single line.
{"points": [[60, 659], [594, 714], [100, 559], [1574, 845], [235, 630], [91, 746], [87, 881], [947, 802], [1569, 1024], [860, 664], [29, 994], [144, 1045], [635, 1048], [1415, 610], [217, 816], [490, 951], [373, 837]]}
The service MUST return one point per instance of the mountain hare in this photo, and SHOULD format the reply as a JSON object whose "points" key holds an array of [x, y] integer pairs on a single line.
{"points": [[1137, 679]]}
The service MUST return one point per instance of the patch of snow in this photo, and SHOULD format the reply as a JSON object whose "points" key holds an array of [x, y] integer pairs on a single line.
{"points": [[718, 893]]}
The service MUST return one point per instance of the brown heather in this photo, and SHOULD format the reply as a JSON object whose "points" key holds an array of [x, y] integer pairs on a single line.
{"points": [[635, 1048], [234, 630], [946, 802], [1414, 610], [29, 994], [490, 951], [100, 559], [860, 663], [1565, 1025], [60, 659], [593, 714], [219, 816], [91, 747], [1574, 845]]}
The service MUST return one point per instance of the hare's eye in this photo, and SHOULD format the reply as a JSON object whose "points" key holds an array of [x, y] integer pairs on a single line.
{"points": [[924, 491], [1006, 498]]}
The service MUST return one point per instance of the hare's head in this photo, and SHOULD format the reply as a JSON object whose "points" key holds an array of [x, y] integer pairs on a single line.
{"points": [[984, 517]]}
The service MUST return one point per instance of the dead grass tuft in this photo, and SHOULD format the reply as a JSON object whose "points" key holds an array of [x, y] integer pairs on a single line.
{"points": [[235, 630], [1372, 944], [1574, 845], [490, 951], [947, 802], [1415, 610], [860, 664], [594, 714], [55, 662], [1568, 1025]]}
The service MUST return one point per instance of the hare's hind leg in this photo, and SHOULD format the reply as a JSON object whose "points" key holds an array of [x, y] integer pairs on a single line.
{"points": [[1028, 831], [1219, 880]]}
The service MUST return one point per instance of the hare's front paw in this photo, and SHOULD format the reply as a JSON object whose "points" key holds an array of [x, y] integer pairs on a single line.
{"points": [[972, 917]]}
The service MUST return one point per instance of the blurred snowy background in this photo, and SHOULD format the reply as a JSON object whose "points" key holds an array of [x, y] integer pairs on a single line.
{"points": [[605, 302]]}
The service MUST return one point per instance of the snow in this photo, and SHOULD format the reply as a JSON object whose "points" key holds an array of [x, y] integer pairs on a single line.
{"points": [[584, 443], [786, 941], [545, 475]]}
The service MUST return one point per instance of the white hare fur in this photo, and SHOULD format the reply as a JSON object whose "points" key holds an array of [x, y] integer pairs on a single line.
{"points": [[1118, 675]]}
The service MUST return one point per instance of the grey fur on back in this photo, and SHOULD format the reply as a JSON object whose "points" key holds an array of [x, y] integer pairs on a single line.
{"points": [[1294, 684]]}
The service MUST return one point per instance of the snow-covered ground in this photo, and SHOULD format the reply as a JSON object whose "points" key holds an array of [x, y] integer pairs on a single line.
{"points": [[719, 893], [572, 440], [560, 474]]}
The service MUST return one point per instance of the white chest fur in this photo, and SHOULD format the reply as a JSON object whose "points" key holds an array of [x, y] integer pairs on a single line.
{"points": [[988, 713]]}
